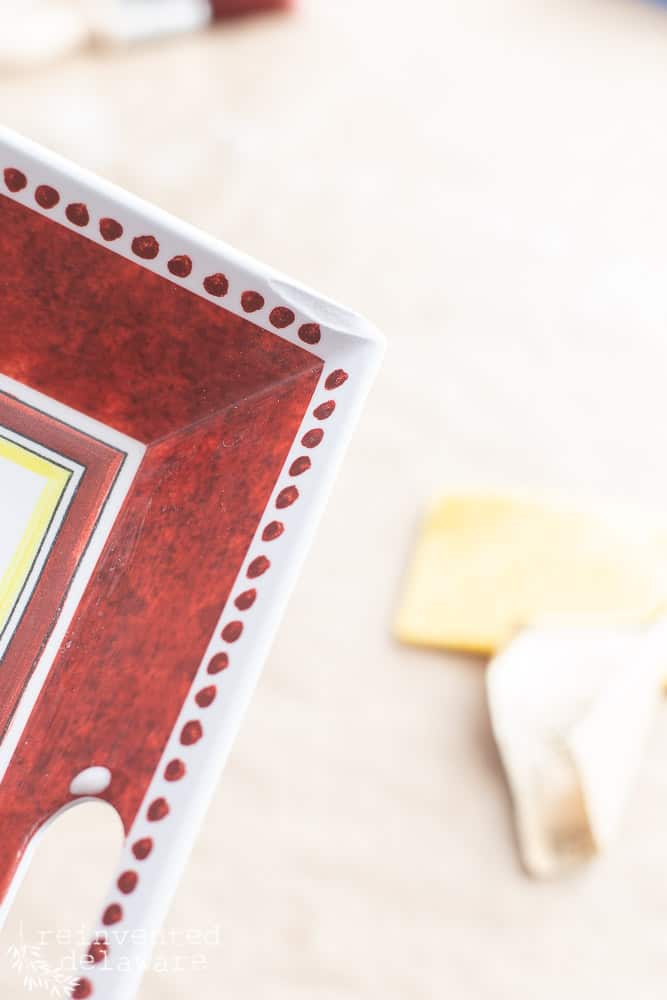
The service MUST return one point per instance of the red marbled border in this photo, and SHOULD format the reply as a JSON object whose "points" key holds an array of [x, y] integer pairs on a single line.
{"points": [[147, 247], [215, 285]]}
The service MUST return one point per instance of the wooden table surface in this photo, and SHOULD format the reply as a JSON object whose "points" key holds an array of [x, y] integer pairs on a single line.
{"points": [[487, 182]]}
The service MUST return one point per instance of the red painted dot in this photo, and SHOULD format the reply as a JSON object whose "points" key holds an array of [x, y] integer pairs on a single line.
{"points": [[158, 810], [336, 379], [216, 284], [112, 915], [246, 599], [311, 439], [310, 333], [299, 466], [15, 179], [180, 266], [46, 196], [78, 214], [281, 317], [146, 247], [219, 663], [98, 951], [324, 410], [287, 497], [191, 733], [272, 531], [127, 882], [110, 230], [252, 301], [82, 989], [175, 770], [206, 696], [257, 567], [142, 848], [232, 632]]}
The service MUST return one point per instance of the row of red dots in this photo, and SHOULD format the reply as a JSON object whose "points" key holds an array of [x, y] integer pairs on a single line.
{"points": [[148, 248], [193, 730]]}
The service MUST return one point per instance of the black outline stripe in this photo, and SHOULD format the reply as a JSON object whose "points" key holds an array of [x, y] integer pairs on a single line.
{"points": [[26, 580], [51, 625]]}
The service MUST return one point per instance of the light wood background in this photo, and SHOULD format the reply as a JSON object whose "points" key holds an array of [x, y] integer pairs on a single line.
{"points": [[487, 181]]}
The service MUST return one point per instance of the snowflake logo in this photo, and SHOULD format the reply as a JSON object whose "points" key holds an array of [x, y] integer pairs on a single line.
{"points": [[27, 961]]}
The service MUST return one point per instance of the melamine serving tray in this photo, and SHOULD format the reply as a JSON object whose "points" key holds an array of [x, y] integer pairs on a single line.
{"points": [[172, 414]]}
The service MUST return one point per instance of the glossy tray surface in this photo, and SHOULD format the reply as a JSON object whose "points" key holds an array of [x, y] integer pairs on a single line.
{"points": [[171, 416]]}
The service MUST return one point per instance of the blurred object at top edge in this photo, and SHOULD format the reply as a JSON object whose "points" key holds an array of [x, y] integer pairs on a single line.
{"points": [[38, 31]]}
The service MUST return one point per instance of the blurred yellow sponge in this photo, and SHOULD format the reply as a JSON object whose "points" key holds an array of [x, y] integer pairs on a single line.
{"points": [[485, 566]]}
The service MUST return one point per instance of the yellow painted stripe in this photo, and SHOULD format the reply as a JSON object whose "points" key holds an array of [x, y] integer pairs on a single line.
{"points": [[27, 547]]}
